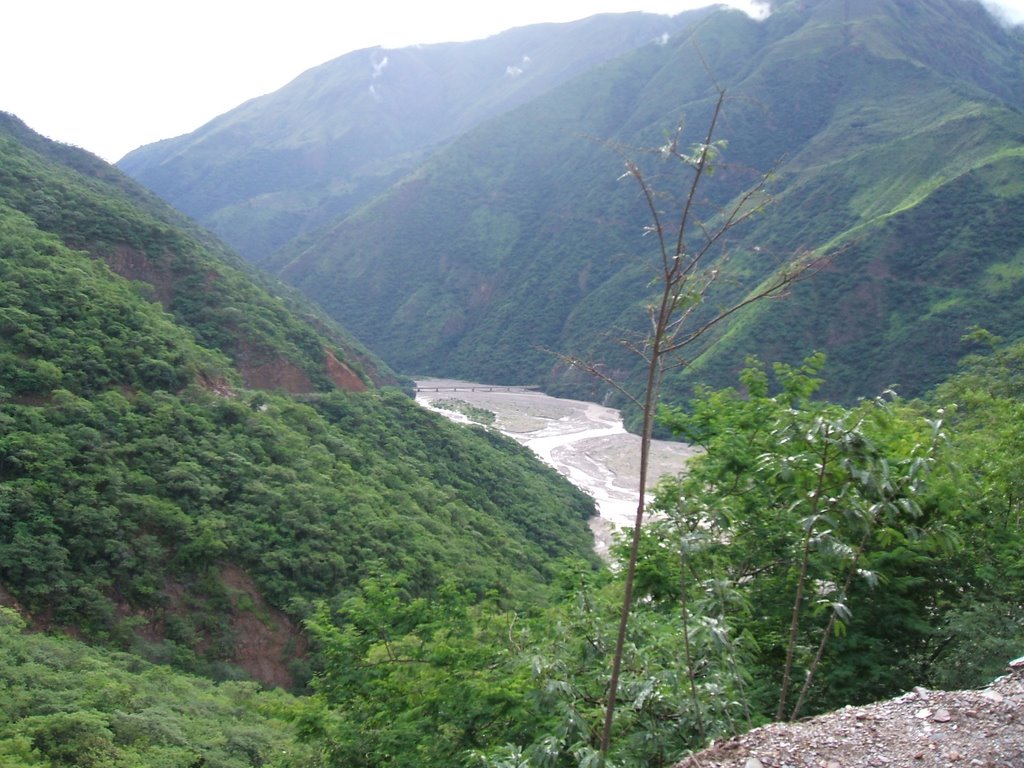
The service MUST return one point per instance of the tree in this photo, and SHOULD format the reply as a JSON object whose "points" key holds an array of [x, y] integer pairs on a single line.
{"points": [[982, 490], [816, 514], [412, 681], [664, 712], [687, 264]]}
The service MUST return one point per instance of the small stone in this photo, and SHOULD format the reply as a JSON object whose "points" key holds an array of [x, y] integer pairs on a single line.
{"points": [[942, 716], [833, 764], [953, 756], [919, 755], [923, 714], [921, 693], [753, 762], [993, 696]]}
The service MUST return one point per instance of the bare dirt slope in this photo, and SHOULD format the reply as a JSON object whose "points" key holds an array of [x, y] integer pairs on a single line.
{"points": [[921, 729]]}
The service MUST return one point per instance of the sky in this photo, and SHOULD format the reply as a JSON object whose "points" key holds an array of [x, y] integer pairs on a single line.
{"points": [[112, 75]]}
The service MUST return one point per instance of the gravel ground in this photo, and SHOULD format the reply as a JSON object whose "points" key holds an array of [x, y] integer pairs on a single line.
{"points": [[921, 729]]}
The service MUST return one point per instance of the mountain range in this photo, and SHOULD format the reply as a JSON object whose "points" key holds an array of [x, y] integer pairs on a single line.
{"points": [[278, 166], [211, 491], [457, 208]]}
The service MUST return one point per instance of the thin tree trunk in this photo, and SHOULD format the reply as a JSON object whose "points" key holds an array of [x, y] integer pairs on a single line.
{"points": [[691, 673], [828, 630], [794, 622], [650, 399], [794, 626]]}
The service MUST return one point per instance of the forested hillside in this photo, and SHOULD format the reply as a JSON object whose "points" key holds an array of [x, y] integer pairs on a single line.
{"points": [[893, 133], [67, 703], [164, 492], [812, 556], [273, 338]]}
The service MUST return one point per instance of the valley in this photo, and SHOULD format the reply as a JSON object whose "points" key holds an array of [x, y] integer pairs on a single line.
{"points": [[217, 475], [464, 235]]}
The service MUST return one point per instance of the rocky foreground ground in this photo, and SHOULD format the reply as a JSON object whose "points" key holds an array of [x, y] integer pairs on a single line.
{"points": [[921, 729]]}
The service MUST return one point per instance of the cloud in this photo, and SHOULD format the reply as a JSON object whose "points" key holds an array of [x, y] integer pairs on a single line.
{"points": [[758, 9], [1009, 11], [378, 69]]}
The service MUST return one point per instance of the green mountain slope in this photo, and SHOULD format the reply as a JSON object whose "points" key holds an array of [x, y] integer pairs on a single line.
{"points": [[153, 495], [281, 165], [279, 341], [67, 703], [894, 130]]}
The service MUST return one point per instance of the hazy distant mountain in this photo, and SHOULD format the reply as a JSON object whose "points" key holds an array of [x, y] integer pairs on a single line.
{"points": [[895, 129], [282, 164]]}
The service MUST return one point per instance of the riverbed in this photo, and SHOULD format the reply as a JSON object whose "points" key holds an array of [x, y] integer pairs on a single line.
{"points": [[585, 442]]}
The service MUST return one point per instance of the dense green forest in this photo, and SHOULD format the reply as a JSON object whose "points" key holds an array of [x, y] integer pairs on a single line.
{"points": [[156, 502], [70, 704], [228, 306], [894, 527], [904, 516]]}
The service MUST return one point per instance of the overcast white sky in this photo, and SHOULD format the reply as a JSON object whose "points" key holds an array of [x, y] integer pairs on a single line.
{"points": [[112, 75]]}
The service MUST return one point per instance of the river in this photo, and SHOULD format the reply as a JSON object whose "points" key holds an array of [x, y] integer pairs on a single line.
{"points": [[586, 442]]}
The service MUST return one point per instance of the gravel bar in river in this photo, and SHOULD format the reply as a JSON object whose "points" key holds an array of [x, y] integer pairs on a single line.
{"points": [[584, 441]]}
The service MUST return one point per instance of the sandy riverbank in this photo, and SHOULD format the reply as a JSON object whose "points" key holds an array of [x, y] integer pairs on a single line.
{"points": [[585, 442]]}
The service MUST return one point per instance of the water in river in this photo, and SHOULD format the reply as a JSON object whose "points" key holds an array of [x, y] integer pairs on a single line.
{"points": [[585, 442]]}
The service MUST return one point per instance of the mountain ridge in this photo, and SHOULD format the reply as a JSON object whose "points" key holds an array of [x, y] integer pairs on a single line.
{"points": [[65, 189], [340, 133]]}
